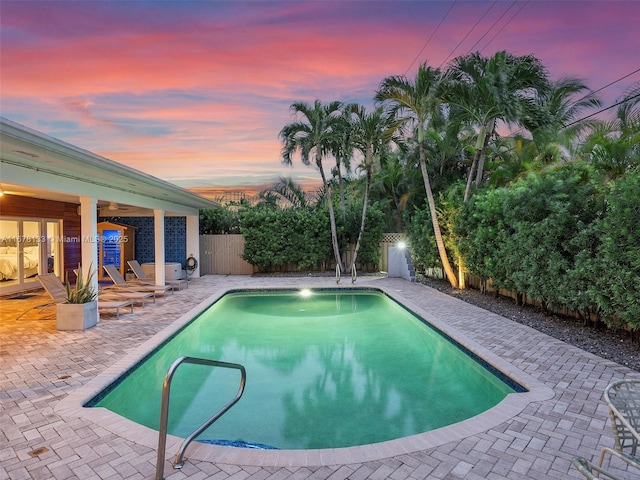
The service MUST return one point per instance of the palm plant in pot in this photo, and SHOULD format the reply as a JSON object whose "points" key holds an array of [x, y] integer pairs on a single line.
{"points": [[80, 311]]}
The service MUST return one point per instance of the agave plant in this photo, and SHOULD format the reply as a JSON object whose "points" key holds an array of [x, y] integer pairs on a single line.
{"points": [[83, 291]]}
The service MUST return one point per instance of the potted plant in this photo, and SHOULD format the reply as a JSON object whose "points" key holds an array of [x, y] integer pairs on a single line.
{"points": [[80, 310]]}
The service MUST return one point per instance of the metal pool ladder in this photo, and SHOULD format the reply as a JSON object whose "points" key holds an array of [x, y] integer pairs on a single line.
{"points": [[164, 410]]}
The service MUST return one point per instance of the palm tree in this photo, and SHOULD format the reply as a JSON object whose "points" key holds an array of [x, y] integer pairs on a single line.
{"points": [[372, 134], [314, 135], [500, 88], [613, 147], [285, 192], [418, 100], [343, 150]]}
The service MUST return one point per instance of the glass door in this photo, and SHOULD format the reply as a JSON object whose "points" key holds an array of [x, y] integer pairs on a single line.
{"points": [[28, 247]]}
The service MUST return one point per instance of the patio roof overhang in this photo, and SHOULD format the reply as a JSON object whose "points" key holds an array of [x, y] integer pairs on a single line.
{"points": [[37, 165]]}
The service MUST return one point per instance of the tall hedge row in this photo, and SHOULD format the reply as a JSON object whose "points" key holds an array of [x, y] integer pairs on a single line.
{"points": [[562, 238], [277, 238]]}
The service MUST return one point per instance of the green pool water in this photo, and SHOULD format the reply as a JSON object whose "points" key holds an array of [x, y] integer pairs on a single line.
{"points": [[335, 369]]}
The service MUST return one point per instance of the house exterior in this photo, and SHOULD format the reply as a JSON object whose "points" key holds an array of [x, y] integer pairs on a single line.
{"points": [[54, 194]]}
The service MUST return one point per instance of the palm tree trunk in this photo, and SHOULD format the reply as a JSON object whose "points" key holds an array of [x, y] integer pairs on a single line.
{"points": [[451, 276], [332, 217], [343, 203], [488, 131], [474, 164], [467, 190], [365, 203]]}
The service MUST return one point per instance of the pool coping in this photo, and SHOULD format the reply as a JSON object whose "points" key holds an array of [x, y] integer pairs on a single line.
{"points": [[511, 406]]}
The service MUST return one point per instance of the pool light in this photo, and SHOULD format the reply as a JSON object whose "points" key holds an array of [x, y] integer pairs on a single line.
{"points": [[305, 292]]}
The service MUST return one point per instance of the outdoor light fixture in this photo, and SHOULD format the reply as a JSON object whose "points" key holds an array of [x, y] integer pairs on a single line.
{"points": [[402, 245]]}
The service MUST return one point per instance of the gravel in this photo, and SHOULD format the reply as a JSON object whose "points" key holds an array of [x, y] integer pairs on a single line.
{"points": [[614, 345]]}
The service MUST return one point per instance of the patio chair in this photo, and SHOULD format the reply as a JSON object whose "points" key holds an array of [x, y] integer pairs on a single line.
{"points": [[54, 287], [120, 284], [592, 472], [125, 297], [105, 303], [623, 399], [142, 277], [58, 293]]}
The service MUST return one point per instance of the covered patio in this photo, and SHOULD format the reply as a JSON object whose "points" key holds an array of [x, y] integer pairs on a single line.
{"points": [[53, 195], [42, 368]]}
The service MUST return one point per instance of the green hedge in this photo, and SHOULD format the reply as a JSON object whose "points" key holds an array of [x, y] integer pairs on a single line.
{"points": [[560, 237]]}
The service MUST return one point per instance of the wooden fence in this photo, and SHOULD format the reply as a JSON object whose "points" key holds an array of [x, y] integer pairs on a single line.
{"points": [[222, 255]]}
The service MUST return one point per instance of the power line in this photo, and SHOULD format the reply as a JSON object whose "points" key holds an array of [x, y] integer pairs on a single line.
{"points": [[624, 100], [607, 85], [469, 32], [432, 34], [503, 27], [491, 27]]}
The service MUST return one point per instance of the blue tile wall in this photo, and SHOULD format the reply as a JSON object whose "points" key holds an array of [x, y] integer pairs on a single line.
{"points": [[175, 237]]}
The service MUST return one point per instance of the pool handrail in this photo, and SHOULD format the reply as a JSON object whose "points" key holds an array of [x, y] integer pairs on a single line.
{"points": [[164, 409]]}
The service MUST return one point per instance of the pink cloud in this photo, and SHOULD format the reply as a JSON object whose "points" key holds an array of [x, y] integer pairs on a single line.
{"points": [[208, 84]]}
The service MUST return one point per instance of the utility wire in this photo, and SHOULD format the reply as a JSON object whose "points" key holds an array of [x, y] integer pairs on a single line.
{"points": [[624, 100], [491, 27], [607, 85], [503, 27], [587, 95], [432, 34], [469, 32]]}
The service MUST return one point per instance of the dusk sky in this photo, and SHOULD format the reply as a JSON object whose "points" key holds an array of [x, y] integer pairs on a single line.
{"points": [[196, 93]]}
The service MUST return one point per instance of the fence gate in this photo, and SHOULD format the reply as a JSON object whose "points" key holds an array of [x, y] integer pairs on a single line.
{"points": [[222, 255]]}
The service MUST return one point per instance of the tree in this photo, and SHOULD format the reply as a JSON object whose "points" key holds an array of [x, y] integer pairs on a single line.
{"points": [[372, 133], [314, 135], [613, 147], [285, 192], [418, 100], [342, 150], [500, 88]]}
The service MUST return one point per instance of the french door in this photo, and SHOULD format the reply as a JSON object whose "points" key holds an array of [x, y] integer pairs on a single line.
{"points": [[28, 247]]}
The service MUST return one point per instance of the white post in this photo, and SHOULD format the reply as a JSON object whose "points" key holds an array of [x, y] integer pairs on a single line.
{"points": [[193, 242], [158, 227], [89, 239]]}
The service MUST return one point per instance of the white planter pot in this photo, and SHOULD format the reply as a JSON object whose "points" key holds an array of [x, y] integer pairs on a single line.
{"points": [[76, 316]]}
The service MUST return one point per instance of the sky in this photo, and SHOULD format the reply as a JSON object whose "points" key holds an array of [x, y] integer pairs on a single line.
{"points": [[196, 92]]}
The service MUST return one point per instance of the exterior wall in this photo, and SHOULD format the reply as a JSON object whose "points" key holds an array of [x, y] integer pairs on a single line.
{"points": [[175, 231], [26, 207]]}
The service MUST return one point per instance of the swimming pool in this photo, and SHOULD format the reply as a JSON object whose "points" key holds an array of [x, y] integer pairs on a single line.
{"points": [[335, 369]]}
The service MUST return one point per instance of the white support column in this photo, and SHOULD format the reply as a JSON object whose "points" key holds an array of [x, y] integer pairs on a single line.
{"points": [[158, 227], [89, 239], [193, 242], [89, 235]]}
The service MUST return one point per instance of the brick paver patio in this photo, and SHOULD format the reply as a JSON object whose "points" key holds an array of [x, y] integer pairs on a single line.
{"points": [[41, 369]]}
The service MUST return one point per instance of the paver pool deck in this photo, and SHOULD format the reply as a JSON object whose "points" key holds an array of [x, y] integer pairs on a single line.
{"points": [[42, 370]]}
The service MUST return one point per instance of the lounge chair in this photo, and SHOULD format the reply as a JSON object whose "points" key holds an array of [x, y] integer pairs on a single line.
{"points": [[58, 293], [117, 304], [623, 399], [592, 472], [112, 294], [142, 276], [120, 284], [54, 287]]}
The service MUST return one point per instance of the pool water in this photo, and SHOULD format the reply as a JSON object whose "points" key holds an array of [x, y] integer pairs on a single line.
{"points": [[334, 369]]}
